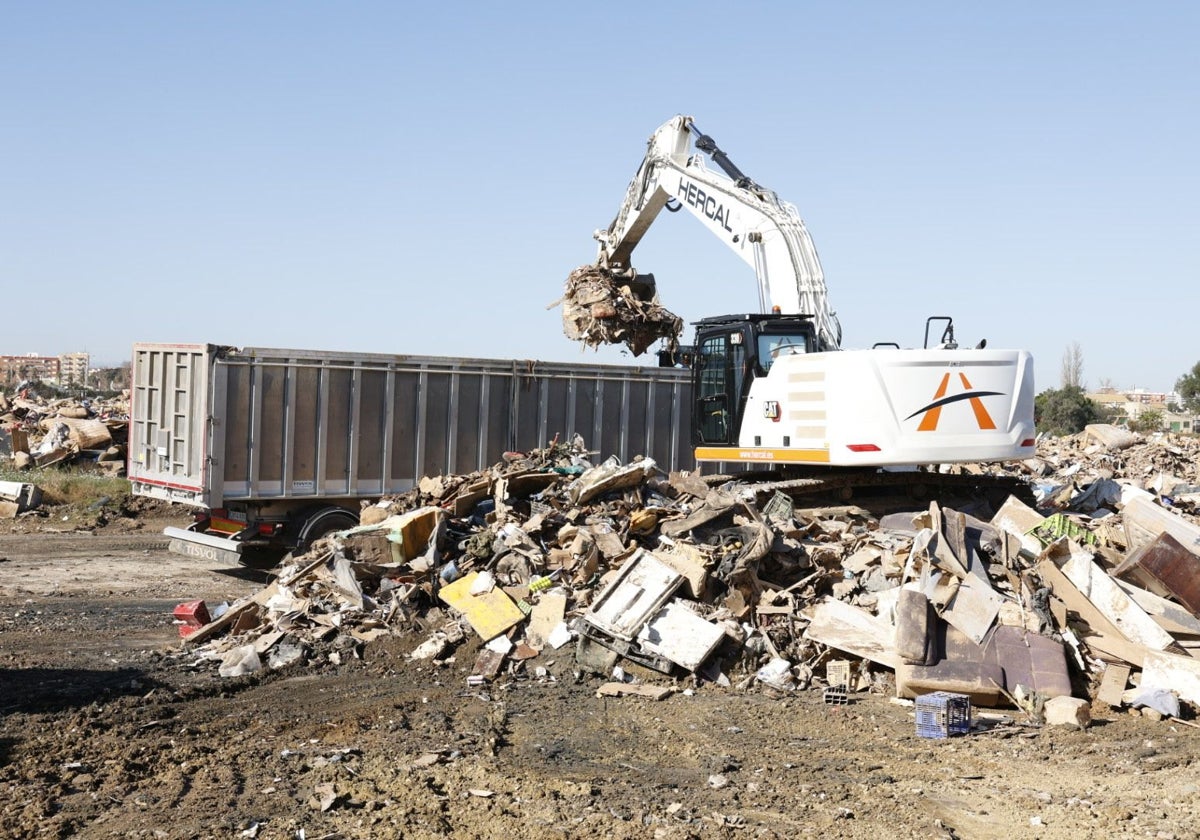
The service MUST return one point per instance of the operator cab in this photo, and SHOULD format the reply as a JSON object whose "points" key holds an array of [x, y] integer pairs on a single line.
{"points": [[731, 351]]}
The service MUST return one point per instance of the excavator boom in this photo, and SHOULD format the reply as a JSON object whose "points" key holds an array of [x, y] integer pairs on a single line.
{"points": [[764, 231], [775, 387]]}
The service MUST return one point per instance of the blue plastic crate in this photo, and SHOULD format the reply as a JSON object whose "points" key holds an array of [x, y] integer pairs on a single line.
{"points": [[942, 714]]}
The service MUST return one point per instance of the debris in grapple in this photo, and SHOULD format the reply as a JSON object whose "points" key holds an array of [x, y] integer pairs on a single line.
{"points": [[603, 307]]}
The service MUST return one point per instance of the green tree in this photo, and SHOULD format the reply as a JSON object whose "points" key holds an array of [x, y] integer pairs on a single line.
{"points": [[1065, 411], [1188, 387], [1150, 420]]}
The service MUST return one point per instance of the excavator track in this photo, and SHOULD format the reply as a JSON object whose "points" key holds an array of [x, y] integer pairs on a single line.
{"points": [[882, 491]]}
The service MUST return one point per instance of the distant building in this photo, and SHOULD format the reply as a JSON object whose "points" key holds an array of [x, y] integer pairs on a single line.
{"points": [[67, 369], [1112, 399], [1130, 405], [16, 369], [1144, 397], [1174, 422], [73, 368]]}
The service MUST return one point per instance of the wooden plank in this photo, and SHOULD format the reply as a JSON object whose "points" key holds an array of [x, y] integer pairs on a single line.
{"points": [[233, 615], [852, 630], [1117, 606], [1112, 686], [1115, 644], [616, 689], [489, 613], [547, 614], [1170, 616]]}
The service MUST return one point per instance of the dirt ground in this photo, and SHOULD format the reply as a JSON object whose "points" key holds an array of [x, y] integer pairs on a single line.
{"points": [[108, 728]]}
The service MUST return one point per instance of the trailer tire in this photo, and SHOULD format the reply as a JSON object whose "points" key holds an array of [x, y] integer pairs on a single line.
{"points": [[322, 523]]}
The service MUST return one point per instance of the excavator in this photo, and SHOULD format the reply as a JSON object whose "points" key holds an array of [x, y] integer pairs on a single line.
{"points": [[774, 389]]}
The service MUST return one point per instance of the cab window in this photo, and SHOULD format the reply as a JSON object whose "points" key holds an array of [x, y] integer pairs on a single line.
{"points": [[771, 347]]}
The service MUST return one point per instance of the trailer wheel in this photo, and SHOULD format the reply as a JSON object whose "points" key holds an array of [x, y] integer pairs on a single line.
{"points": [[322, 523]]}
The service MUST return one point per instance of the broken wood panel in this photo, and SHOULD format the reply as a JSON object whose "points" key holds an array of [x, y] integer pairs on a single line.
{"points": [[681, 636], [1169, 568], [1114, 643], [1017, 519], [1117, 606], [950, 550], [547, 614], [1144, 520], [852, 630], [643, 585], [489, 613], [689, 562], [973, 608]]}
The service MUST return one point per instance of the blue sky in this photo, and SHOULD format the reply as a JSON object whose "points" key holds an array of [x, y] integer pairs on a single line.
{"points": [[420, 179]]}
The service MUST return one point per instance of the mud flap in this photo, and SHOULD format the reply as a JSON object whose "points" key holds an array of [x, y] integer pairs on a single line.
{"points": [[203, 552]]}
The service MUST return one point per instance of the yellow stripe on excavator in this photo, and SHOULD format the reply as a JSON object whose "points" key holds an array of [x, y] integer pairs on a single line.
{"points": [[762, 454]]}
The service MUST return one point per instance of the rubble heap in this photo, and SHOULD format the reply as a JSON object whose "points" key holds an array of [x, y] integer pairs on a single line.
{"points": [[603, 307], [636, 571], [36, 432]]}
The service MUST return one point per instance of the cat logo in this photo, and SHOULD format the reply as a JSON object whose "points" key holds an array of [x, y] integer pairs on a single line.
{"points": [[933, 411]]}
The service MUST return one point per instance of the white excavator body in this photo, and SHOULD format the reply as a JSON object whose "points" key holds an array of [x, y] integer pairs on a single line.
{"points": [[775, 387]]}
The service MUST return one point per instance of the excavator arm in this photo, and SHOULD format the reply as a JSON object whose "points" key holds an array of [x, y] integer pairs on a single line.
{"points": [[752, 403], [766, 232]]}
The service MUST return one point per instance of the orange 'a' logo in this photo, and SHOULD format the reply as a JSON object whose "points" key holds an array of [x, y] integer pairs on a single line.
{"points": [[933, 411]]}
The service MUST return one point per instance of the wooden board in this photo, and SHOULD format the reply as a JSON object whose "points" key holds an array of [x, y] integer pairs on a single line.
{"points": [[489, 613], [1117, 606], [852, 630], [643, 585], [1106, 637], [547, 614]]}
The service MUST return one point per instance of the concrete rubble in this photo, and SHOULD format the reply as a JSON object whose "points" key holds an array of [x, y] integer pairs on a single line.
{"points": [[669, 582]]}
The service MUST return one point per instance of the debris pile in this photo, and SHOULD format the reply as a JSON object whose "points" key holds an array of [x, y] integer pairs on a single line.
{"points": [[36, 432], [17, 497], [670, 577], [604, 307]]}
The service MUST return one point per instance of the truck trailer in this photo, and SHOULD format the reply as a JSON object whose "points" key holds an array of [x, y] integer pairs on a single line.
{"points": [[275, 448]]}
